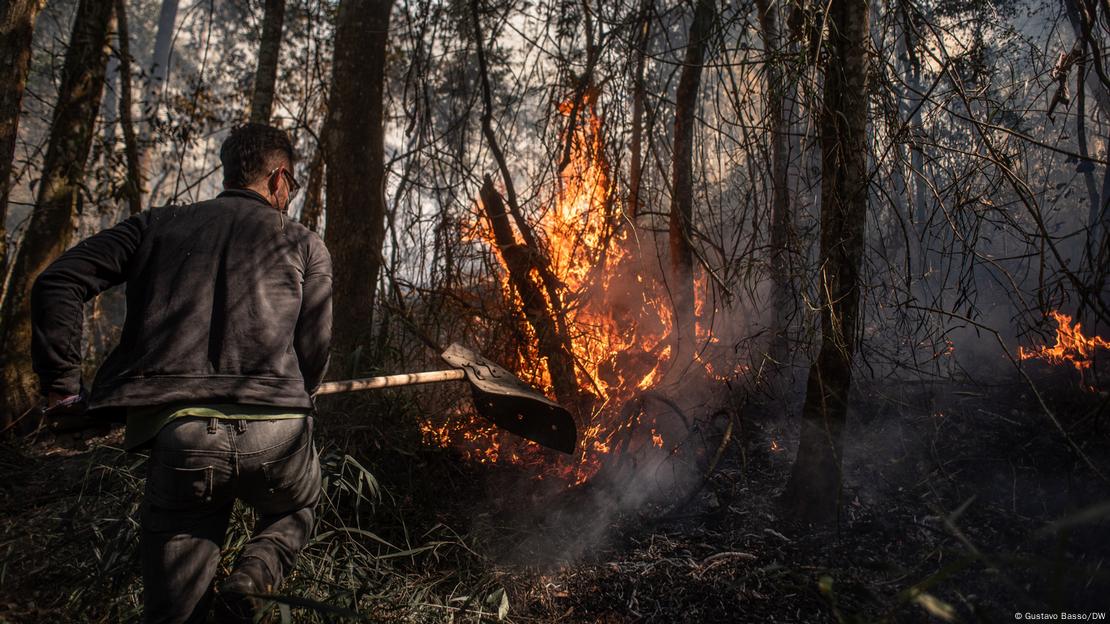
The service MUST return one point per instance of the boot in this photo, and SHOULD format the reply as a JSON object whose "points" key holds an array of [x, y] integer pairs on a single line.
{"points": [[237, 601]]}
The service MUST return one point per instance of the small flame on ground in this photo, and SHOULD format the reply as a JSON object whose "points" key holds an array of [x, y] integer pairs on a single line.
{"points": [[775, 448], [1072, 346]]}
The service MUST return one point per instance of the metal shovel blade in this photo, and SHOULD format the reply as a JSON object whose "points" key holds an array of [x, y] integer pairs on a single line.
{"points": [[513, 405]]}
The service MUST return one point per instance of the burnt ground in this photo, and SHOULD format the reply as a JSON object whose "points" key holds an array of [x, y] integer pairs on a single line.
{"points": [[963, 501]]}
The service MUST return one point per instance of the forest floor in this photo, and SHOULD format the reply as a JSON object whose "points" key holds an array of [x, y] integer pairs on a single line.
{"points": [[963, 502]]}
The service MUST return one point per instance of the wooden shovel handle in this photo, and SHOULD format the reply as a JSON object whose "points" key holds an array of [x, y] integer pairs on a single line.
{"points": [[391, 381]]}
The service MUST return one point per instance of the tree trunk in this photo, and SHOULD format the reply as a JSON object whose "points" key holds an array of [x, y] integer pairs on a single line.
{"points": [[17, 24], [160, 57], [134, 186], [682, 200], [900, 204], [636, 166], [109, 108], [1098, 220], [779, 96], [1086, 165], [262, 99], [312, 211], [917, 153], [813, 490], [157, 75], [356, 167], [59, 195]]}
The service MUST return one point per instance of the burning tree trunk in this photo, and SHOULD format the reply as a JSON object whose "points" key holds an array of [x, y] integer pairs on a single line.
{"points": [[59, 195], [682, 201], [539, 259], [356, 167], [545, 313], [551, 342], [17, 24], [814, 486], [134, 185], [262, 98]]}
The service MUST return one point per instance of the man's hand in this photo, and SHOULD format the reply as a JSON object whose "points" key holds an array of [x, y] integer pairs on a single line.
{"points": [[54, 399], [57, 403]]}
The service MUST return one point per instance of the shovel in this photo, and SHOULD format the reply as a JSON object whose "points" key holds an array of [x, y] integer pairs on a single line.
{"points": [[498, 395]]}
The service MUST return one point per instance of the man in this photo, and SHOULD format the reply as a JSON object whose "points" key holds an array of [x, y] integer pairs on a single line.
{"points": [[226, 338]]}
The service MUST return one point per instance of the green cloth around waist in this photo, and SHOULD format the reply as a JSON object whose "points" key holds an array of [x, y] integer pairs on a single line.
{"points": [[144, 423]]}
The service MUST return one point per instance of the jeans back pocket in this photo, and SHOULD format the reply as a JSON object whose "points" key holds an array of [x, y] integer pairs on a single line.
{"points": [[291, 482], [173, 487], [285, 471]]}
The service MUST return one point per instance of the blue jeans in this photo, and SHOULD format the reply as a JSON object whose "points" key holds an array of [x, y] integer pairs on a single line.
{"points": [[198, 467]]}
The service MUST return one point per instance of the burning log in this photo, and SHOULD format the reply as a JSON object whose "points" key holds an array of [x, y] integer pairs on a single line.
{"points": [[553, 344]]}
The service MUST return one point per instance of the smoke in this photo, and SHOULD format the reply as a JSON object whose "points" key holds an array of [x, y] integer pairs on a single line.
{"points": [[659, 443], [641, 480]]}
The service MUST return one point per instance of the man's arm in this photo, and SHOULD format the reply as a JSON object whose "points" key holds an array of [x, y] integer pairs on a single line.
{"points": [[58, 297], [312, 340]]}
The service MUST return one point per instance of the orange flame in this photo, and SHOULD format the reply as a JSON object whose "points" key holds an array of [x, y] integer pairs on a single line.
{"points": [[618, 351], [1072, 346]]}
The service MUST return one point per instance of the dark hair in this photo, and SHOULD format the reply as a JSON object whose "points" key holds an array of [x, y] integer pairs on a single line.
{"points": [[251, 150]]}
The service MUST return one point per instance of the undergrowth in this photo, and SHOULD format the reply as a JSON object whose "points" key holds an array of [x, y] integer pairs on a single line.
{"points": [[74, 554], [960, 505]]}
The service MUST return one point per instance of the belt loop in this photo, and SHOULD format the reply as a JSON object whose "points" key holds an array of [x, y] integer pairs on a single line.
{"points": [[241, 425], [212, 424]]}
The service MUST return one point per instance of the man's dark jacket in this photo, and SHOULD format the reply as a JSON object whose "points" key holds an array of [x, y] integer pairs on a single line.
{"points": [[228, 301]]}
